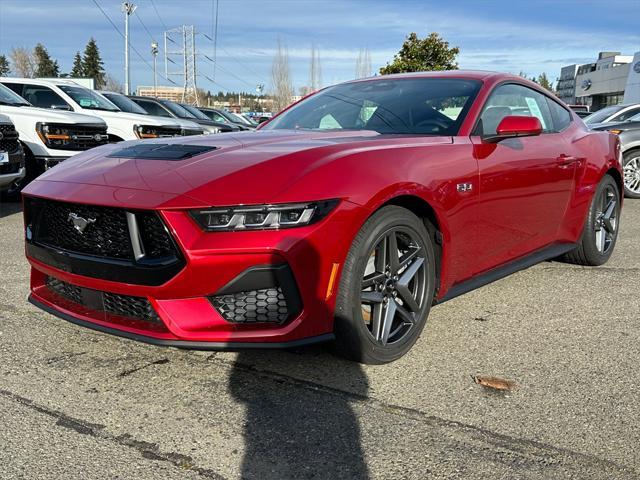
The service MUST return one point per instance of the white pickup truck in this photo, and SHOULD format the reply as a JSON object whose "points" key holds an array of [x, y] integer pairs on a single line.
{"points": [[11, 156], [49, 136], [67, 95]]}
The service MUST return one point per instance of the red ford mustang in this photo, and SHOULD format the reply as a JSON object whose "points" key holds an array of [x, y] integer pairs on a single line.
{"points": [[344, 218]]}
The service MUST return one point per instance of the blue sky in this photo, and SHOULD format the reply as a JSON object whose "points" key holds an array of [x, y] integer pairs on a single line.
{"points": [[518, 35]]}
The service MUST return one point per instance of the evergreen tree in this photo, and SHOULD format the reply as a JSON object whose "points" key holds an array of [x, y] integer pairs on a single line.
{"points": [[92, 66], [77, 71], [544, 82], [418, 55], [45, 65], [4, 66]]}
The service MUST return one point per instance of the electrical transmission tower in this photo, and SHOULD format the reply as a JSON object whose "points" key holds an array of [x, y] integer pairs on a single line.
{"points": [[180, 50]]}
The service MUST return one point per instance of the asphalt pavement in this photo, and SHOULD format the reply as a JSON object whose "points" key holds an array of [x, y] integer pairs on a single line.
{"points": [[75, 403]]}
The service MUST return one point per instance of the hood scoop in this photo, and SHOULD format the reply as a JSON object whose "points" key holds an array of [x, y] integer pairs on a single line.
{"points": [[161, 151]]}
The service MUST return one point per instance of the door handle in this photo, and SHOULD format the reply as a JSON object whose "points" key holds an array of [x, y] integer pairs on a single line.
{"points": [[566, 159]]}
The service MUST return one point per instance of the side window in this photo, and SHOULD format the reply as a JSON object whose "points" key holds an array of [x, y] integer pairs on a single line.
{"points": [[43, 97], [219, 118], [16, 87], [561, 118], [152, 108], [513, 99], [627, 114]]}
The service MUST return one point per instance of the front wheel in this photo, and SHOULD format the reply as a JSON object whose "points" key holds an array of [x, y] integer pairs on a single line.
{"points": [[386, 289], [631, 168], [601, 227]]}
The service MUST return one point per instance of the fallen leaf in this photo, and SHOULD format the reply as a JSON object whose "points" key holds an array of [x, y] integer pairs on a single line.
{"points": [[495, 383]]}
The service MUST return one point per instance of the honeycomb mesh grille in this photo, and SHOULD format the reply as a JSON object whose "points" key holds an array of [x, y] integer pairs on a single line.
{"points": [[257, 306], [136, 308]]}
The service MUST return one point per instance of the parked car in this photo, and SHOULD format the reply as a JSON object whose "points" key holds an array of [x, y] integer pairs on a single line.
{"points": [[227, 117], [345, 217], [225, 126], [629, 134], [66, 95], [168, 109], [125, 104], [612, 114], [11, 157], [49, 136]]}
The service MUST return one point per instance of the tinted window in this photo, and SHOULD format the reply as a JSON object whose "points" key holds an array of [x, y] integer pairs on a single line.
{"points": [[513, 99], [561, 117], [8, 96], [152, 108], [43, 97], [177, 110], [627, 114], [425, 106], [195, 112], [124, 103], [602, 115]]}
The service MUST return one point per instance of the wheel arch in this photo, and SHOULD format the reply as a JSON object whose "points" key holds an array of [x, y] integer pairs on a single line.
{"points": [[613, 172], [423, 210]]}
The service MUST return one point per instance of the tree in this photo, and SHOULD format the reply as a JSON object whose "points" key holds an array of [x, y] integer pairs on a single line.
{"points": [[281, 78], [45, 65], [363, 64], [23, 63], [112, 84], [92, 66], [315, 70], [4, 66], [544, 82], [416, 55], [77, 71]]}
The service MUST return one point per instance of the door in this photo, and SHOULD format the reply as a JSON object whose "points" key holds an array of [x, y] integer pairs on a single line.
{"points": [[525, 183]]}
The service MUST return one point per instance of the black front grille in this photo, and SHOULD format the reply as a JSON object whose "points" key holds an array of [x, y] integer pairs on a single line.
{"points": [[9, 141], [85, 137], [9, 168], [105, 232], [137, 308], [256, 306], [156, 239]]}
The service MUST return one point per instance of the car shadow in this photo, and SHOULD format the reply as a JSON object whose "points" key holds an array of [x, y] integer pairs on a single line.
{"points": [[8, 208], [295, 428]]}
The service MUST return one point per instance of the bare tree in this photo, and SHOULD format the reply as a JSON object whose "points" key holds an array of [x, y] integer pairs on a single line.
{"points": [[315, 71], [281, 78], [23, 62], [363, 63], [112, 84]]}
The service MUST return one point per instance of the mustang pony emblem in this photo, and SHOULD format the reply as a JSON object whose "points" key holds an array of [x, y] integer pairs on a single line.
{"points": [[80, 223]]}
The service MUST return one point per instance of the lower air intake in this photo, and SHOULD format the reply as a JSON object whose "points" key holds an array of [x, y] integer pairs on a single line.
{"points": [[257, 306]]}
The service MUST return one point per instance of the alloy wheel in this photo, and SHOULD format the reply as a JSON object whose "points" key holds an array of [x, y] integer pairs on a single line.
{"points": [[632, 175], [606, 222], [393, 286]]}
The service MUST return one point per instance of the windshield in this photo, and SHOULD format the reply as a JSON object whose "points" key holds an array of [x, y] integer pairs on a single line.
{"points": [[125, 103], [635, 118], [88, 98], [9, 97], [425, 106], [195, 112], [601, 115], [177, 109], [239, 119]]}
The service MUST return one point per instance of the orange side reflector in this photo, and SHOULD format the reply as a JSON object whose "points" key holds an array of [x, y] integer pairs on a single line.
{"points": [[332, 280]]}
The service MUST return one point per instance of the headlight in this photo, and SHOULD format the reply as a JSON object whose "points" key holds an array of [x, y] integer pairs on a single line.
{"points": [[54, 136], [153, 131], [262, 217]]}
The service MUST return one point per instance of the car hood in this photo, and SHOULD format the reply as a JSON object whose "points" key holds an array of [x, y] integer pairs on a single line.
{"points": [[244, 168], [48, 115]]}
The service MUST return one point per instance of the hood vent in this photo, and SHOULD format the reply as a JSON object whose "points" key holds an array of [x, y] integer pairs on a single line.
{"points": [[161, 151]]}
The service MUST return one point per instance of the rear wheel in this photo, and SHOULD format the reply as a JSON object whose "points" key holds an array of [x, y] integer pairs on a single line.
{"points": [[386, 287], [631, 168], [601, 228]]}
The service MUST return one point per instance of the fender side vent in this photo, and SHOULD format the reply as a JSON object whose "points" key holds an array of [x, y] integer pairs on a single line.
{"points": [[161, 151]]}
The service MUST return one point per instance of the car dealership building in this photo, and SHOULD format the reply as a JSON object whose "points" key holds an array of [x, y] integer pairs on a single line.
{"points": [[612, 79]]}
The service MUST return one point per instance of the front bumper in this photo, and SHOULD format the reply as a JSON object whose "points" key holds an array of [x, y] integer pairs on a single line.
{"points": [[12, 169], [188, 316]]}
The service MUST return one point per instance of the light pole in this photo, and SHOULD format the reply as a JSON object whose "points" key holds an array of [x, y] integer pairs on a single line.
{"points": [[154, 52], [128, 8]]}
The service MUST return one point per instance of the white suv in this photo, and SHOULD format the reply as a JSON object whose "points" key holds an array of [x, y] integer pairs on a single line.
{"points": [[67, 95], [49, 136]]}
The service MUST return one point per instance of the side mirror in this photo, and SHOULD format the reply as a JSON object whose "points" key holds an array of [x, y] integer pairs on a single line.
{"points": [[513, 126], [61, 107]]}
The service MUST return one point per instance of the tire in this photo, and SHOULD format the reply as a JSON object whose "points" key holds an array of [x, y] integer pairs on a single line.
{"points": [[601, 227], [399, 288], [631, 168]]}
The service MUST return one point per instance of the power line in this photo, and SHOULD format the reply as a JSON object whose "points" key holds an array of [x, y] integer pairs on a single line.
{"points": [[215, 37], [158, 14], [132, 47], [144, 26]]}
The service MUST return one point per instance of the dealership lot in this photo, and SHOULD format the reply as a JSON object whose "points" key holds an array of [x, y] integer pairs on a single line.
{"points": [[79, 404]]}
